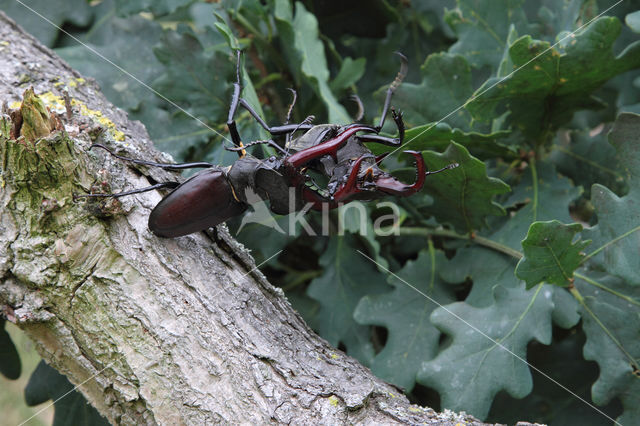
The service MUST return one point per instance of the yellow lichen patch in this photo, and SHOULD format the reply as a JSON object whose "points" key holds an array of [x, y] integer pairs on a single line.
{"points": [[56, 103], [333, 401], [334, 356], [415, 409], [71, 83], [74, 82], [100, 118]]}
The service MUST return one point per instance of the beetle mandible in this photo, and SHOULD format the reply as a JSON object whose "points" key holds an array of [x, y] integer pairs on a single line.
{"points": [[217, 194]]}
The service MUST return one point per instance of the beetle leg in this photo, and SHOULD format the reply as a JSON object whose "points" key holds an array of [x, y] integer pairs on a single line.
{"points": [[404, 67], [275, 130], [380, 139], [170, 166], [397, 118], [231, 123]]}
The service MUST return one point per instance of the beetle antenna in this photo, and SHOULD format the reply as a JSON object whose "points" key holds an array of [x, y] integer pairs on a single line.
{"points": [[293, 102], [307, 120], [170, 166], [447, 167], [269, 142], [134, 191], [404, 68]]}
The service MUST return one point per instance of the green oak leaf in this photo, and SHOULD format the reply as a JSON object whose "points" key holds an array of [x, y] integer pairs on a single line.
{"points": [[129, 44], [482, 27], [350, 72], [546, 91], [445, 86], [575, 154], [487, 268], [71, 408], [462, 196], [10, 366], [437, 137], [301, 43], [347, 277], [356, 219], [404, 312], [610, 313], [568, 15], [196, 77], [617, 234], [475, 367], [550, 255], [546, 196], [549, 403]]}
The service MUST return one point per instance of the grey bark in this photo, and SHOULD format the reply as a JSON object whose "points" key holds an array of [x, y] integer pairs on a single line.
{"points": [[166, 331]]}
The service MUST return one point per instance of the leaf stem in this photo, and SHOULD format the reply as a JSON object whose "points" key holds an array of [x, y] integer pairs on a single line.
{"points": [[615, 240], [534, 179], [605, 288], [426, 232]]}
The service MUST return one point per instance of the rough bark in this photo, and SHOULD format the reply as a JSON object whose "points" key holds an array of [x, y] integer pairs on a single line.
{"points": [[167, 331]]}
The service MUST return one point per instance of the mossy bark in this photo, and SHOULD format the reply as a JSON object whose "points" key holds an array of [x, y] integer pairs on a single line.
{"points": [[168, 331]]}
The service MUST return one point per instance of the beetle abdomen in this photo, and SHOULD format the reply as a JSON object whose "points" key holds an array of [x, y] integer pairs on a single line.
{"points": [[201, 202]]}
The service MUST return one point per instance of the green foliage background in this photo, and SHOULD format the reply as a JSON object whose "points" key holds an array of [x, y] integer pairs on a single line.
{"points": [[531, 245]]}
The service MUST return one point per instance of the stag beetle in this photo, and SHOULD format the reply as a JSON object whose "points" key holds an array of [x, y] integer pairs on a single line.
{"points": [[336, 152]]}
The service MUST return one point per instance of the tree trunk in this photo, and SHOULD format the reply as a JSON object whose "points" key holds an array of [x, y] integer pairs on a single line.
{"points": [[168, 331]]}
